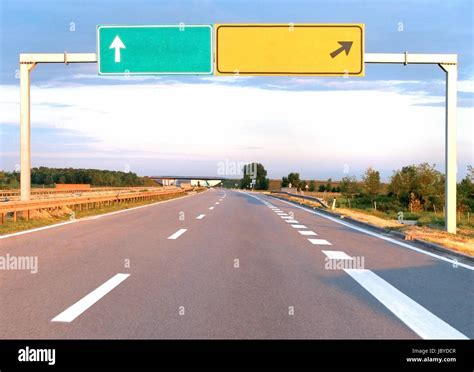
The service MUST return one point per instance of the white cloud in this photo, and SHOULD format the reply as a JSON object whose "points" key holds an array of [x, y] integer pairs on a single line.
{"points": [[211, 122], [82, 76], [466, 86]]}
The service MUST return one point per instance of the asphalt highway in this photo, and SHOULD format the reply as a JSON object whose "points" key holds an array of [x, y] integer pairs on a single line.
{"points": [[226, 264]]}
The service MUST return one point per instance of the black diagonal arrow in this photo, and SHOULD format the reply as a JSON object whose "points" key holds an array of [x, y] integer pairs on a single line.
{"points": [[345, 47]]}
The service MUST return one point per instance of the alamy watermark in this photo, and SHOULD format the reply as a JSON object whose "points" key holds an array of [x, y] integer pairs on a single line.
{"points": [[9, 262], [37, 355], [236, 168], [356, 262]]}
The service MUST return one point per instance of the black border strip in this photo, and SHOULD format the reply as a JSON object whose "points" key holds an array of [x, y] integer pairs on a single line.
{"points": [[290, 73], [220, 355]]}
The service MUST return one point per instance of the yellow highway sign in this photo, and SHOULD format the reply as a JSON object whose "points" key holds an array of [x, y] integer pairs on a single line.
{"points": [[289, 49]]}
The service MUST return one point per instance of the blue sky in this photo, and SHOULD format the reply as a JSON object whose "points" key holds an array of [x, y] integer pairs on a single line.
{"points": [[79, 119]]}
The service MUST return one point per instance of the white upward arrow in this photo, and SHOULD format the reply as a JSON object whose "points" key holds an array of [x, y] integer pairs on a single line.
{"points": [[117, 45]]}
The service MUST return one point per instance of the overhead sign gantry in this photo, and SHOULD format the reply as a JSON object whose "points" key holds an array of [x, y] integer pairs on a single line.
{"points": [[249, 49]]}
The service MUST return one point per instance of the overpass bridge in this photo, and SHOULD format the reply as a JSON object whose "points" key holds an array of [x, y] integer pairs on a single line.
{"points": [[194, 180]]}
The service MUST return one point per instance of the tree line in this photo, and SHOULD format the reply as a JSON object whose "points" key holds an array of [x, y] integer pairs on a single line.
{"points": [[293, 180], [413, 187], [95, 177]]}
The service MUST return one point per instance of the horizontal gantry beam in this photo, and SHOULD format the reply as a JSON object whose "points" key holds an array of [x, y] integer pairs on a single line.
{"points": [[407, 58], [404, 58], [58, 58]]}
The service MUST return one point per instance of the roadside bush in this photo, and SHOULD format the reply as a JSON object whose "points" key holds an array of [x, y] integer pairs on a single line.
{"points": [[410, 216], [430, 219]]}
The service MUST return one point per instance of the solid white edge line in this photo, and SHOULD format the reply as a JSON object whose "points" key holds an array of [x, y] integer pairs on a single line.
{"points": [[177, 234], [420, 320], [416, 317], [41, 228], [386, 238], [86, 302], [91, 217]]}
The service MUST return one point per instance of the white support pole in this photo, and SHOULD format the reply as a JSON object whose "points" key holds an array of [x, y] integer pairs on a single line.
{"points": [[27, 63], [448, 62], [25, 153], [450, 138]]}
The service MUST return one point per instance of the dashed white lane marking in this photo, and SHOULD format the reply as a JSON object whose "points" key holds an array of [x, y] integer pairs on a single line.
{"points": [[337, 255], [93, 217], [394, 241], [416, 317], [177, 234], [319, 242], [286, 217], [217, 202], [211, 208], [299, 226], [308, 232], [86, 302], [291, 221], [200, 217]]}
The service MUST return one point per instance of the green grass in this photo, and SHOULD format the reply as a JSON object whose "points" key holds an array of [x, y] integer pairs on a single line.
{"points": [[20, 225], [423, 218]]}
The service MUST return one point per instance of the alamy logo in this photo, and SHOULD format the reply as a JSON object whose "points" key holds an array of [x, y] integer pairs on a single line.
{"points": [[9, 262], [236, 168], [37, 355], [357, 262]]}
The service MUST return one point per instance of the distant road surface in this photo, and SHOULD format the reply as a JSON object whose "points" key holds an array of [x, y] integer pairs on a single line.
{"points": [[228, 264]]}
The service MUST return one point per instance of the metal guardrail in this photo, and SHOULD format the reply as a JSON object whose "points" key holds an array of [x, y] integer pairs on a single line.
{"points": [[80, 203], [306, 197], [53, 191]]}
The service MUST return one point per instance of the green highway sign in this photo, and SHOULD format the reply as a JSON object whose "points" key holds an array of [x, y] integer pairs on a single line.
{"points": [[155, 50]]}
